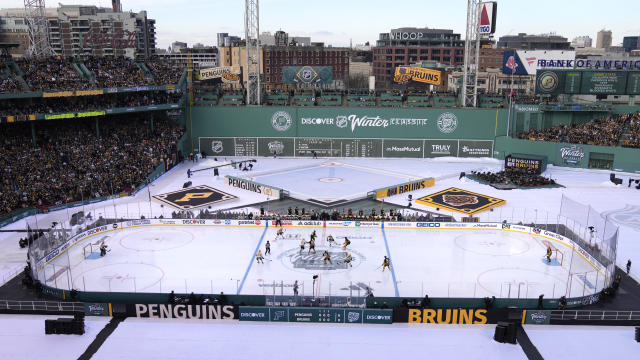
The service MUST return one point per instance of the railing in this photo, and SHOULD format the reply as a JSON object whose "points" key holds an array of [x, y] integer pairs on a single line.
{"points": [[52, 306], [595, 315]]}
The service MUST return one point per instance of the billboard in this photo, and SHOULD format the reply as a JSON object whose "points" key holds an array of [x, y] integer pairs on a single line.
{"points": [[404, 74], [227, 73], [307, 74], [588, 82], [526, 62], [487, 18]]}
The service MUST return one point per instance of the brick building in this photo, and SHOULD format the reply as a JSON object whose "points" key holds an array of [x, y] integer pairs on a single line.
{"points": [[406, 46]]}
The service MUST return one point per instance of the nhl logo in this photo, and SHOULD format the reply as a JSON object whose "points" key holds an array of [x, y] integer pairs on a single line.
{"points": [[276, 147], [216, 146], [447, 123], [353, 316], [341, 121], [281, 121], [459, 200]]}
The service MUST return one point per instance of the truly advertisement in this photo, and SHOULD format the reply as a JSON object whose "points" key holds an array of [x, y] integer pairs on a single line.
{"points": [[439, 148]]}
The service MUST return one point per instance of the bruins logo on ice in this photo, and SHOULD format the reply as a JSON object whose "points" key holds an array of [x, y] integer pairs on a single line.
{"points": [[461, 201], [195, 197], [303, 260]]}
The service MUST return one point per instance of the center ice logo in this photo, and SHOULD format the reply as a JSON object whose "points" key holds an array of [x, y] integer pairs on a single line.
{"points": [[303, 260], [459, 200]]}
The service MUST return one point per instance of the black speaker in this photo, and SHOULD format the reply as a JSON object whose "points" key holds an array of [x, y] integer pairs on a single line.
{"points": [[64, 326], [501, 331], [186, 185], [638, 333], [612, 177], [50, 326], [511, 331], [617, 181]]}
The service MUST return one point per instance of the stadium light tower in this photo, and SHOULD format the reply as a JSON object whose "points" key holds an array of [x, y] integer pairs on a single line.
{"points": [[39, 45], [472, 41], [252, 61]]}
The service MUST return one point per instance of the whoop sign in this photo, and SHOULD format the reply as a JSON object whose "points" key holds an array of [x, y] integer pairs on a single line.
{"points": [[487, 18]]}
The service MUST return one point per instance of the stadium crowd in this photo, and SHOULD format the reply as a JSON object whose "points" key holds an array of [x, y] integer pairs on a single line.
{"points": [[633, 132], [86, 103], [603, 132], [60, 74], [7, 83], [52, 73], [518, 176], [71, 163]]}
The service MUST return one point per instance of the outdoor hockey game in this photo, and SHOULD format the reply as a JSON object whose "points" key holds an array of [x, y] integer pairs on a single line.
{"points": [[149, 248]]}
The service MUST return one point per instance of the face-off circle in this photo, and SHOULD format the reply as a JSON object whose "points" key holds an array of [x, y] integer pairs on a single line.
{"points": [[303, 261]]}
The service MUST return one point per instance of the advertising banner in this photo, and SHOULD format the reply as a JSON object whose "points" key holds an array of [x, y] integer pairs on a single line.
{"points": [[475, 148], [307, 74], [402, 148], [526, 62], [182, 311], [538, 317], [253, 186], [405, 74], [316, 315], [487, 18], [218, 72], [404, 188], [534, 163], [439, 148]]}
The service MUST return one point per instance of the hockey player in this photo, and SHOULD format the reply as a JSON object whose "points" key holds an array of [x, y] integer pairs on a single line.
{"points": [[313, 236], [386, 263], [302, 243], [267, 248], [327, 257], [259, 257], [280, 233], [295, 288], [312, 246], [346, 243], [347, 260], [103, 249], [549, 252], [330, 240]]}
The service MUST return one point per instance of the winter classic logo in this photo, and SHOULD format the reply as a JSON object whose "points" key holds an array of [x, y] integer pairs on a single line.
{"points": [[276, 147], [281, 121], [447, 123], [216, 146], [572, 155]]}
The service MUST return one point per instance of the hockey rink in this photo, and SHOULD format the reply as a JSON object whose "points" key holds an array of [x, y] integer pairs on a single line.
{"points": [[212, 259]]}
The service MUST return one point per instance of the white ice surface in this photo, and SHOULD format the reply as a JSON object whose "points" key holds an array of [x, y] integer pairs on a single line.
{"points": [[22, 337], [587, 186], [584, 342], [206, 339]]}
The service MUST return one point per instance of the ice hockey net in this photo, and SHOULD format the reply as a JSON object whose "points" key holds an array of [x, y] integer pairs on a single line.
{"points": [[89, 249], [556, 254]]}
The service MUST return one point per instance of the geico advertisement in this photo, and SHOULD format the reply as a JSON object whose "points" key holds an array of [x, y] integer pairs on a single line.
{"points": [[180, 311], [448, 316]]}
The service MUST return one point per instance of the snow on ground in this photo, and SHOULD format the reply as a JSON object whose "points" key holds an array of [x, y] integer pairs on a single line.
{"points": [[584, 342], [587, 186], [208, 339], [22, 337]]}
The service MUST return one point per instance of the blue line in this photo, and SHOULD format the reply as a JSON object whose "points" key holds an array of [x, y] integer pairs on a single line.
{"points": [[393, 273], [253, 257]]}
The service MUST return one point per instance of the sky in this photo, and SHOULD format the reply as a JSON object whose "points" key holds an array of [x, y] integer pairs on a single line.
{"points": [[339, 22]]}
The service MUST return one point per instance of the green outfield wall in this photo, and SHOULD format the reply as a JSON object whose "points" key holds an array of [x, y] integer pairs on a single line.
{"points": [[347, 122]]}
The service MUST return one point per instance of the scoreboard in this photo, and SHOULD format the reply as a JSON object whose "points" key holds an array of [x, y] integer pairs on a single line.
{"points": [[588, 82], [343, 147]]}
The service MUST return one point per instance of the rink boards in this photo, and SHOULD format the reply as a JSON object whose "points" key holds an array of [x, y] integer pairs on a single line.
{"points": [[213, 223]]}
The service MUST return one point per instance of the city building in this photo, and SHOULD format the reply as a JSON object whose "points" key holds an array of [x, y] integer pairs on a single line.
{"points": [[202, 57], [603, 39], [581, 42], [76, 30], [493, 81], [522, 41], [226, 40], [275, 57], [630, 43], [281, 38], [177, 46], [266, 39], [490, 58], [406, 46]]}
